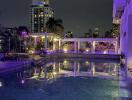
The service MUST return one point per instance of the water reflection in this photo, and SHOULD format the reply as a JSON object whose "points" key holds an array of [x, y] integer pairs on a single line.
{"points": [[1, 84], [74, 68]]}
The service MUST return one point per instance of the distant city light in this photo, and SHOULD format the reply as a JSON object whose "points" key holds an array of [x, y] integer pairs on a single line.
{"points": [[39, 3]]}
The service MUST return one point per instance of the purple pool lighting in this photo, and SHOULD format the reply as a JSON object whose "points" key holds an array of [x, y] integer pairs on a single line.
{"points": [[22, 81]]}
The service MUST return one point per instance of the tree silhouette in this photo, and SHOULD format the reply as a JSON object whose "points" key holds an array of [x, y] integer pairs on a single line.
{"points": [[55, 26]]}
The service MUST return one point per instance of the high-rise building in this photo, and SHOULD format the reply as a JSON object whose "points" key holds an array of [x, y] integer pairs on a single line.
{"points": [[40, 14]]}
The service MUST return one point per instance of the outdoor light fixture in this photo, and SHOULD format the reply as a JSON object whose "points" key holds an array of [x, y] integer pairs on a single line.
{"points": [[31, 52], [55, 39], [34, 36], [105, 52], [65, 50], [42, 37], [87, 50]]}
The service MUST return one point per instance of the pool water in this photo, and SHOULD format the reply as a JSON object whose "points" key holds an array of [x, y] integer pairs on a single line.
{"points": [[66, 79]]}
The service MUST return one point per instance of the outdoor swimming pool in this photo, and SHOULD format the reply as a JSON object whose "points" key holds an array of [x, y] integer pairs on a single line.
{"points": [[65, 79]]}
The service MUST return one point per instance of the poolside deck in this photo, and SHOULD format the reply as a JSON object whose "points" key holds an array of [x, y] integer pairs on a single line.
{"points": [[12, 65]]}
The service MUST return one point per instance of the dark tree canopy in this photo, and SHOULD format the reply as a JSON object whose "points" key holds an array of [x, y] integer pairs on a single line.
{"points": [[55, 26]]}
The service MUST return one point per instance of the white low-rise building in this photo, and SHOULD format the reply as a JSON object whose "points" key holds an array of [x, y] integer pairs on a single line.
{"points": [[122, 13]]}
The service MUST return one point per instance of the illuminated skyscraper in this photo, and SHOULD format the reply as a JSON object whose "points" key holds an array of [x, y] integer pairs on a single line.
{"points": [[40, 14], [34, 2]]}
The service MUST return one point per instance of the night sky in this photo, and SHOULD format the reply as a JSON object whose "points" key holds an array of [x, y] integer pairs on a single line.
{"points": [[78, 15]]}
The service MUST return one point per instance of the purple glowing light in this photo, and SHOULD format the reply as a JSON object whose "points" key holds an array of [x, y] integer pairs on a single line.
{"points": [[22, 81], [24, 33]]}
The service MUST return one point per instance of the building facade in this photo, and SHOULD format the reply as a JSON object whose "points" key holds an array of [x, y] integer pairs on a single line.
{"points": [[122, 14], [40, 14]]}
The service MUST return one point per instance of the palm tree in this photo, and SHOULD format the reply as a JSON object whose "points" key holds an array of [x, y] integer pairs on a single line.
{"points": [[55, 26]]}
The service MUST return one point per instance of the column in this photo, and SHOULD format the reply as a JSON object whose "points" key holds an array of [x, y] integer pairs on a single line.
{"points": [[59, 44], [54, 46], [78, 46], [35, 41], [116, 47], [93, 47]]}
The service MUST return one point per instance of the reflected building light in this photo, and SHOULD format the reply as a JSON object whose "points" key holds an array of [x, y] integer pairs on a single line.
{"points": [[65, 62], [35, 74], [1, 84], [22, 81], [41, 74], [87, 63], [54, 73], [93, 68]]}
